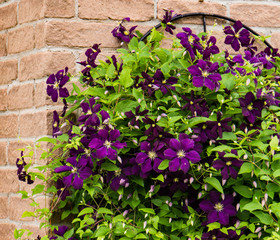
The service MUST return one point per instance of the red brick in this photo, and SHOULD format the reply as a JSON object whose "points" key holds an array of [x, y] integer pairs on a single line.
{"points": [[35, 124], [3, 99], [20, 97], [9, 71], [45, 63], [9, 126], [21, 39], [259, 15], [4, 207], [7, 231], [3, 153], [80, 34], [40, 35], [275, 40], [118, 9], [10, 178], [8, 16], [14, 150], [17, 207], [30, 10], [60, 8], [3, 47], [190, 6]]}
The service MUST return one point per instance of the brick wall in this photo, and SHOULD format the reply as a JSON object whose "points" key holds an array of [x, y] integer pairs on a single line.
{"points": [[39, 37]]}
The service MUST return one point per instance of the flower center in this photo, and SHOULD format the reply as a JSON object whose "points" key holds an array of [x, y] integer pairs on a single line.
{"points": [[181, 154], [237, 35], [152, 155], [87, 152], [205, 74], [176, 179], [204, 127], [219, 124], [219, 207], [89, 112], [55, 125], [214, 238], [118, 172], [107, 144], [228, 163], [249, 107], [126, 33], [74, 170], [164, 81], [56, 85], [191, 39], [268, 58], [191, 102]]}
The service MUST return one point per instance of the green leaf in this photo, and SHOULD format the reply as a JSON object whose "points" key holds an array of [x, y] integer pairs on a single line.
{"points": [[215, 183], [276, 173], [39, 188], [229, 136], [197, 120], [28, 214], [246, 168], [111, 71], [243, 191], [264, 218], [214, 225], [228, 80], [63, 138], [221, 148], [75, 87], [140, 236], [164, 164], [252, 206], [274, 143], [102, 231], [86, 211], [76, 129], [69, 233], [104, 210], [147, 210], [47, 139], [159, 177], [139, 181], [109, 166], [125, 78], [95, 91]]}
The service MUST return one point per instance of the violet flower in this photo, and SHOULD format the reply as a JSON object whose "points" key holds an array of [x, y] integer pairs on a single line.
{"points": [[227, 165], [79, 172], [235, 37], [90, 110], [196, 105], [22, 175], [162, 84], [62, 189], [104, 143], [205, 74], [219, 126], [154, 130], [55, 85], [180, 153], [169, 27], [122, 33], [135, 121], [209, 48], [218, 210], [55, 125], [267, 57]]}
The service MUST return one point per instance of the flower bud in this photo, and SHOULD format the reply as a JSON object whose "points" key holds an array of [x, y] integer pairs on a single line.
{"points": [[120, 197], [186, 202], [205, 187], [258, 229], [178, 74], [233, 127], [119, 159], [199, 195], [126, 185], [267, 163], [132, 51], [252, 173], [135, 141], [146, 215], [263, 203], [186, 180], [255, 184], [122, 181], [158, 118], [179, 104], [170, 220], [123, 225], [110, 225], [125, 213], [152, 188], [237, 224], [223, 196], [170, 204], [129, 196], [191, 180], [106, 92], [224, 181], [234, 194], [175, 97], [265, 197], [245, 156], [145, 224], [237, 206], [248, 81]]}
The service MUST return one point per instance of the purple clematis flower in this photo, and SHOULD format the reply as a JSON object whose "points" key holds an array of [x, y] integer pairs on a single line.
{"points": [[205, 73], [169, 27], [180, 153], [22, 175], [227, 165], [235, 37], [122, 33], [219, 126], [90, 110], [55, 125], [154, 130], [267, 57], [218, 210], [55, 85], [174, 181], [162, 84], [269, 96], [62, 190], [79, 172], [251, 108], [104, 143], [135, 117], [210, 47], [151, 157], [60, 232]]}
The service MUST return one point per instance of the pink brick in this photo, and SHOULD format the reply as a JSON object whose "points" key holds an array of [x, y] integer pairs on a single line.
{"points": [[30, 10], [10, 178], [7, 231], [3, 153], [3, 47], [60, 8], [9, 126], [20, 97], [9, 71], [3, 100], [8, 16]]}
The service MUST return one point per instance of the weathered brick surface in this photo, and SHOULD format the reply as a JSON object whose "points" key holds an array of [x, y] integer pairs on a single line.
{"points": [[4, 207], [14, 152], [20, 97], [3, 100], [275, 40], [80, 34], [35, 124], [118, 9], [9, 177], [8, 16], [7, 231], [30, 10], [3, 47], [21, 39], [9, 126], [60, 8], [40, 35], [188, 6], [15, 212], [259, 15], [9, 71], [3, 153], [45, 63]]}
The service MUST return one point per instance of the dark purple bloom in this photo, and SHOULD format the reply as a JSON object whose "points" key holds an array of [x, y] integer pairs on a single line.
{"points": [[174, 181], [151, 157], [60, 232], [104, 143], [55, 85], [269, 96], [79, 172], [267, 57], [90, 110], [205, 73], [219, 126], [122, 33], [62, 190], [180, 153], [228, 165], [209, 48], [154, 130], [218, 210], [55, 124], [22, 174], [135, 121], [251, 108], [235, 37], [162, 84], [169, 27]]}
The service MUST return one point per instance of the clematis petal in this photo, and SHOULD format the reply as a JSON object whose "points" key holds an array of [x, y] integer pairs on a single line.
{"points": [[101, 153], [193, 156], [145, 146], [185, 165], [174, 165], [77, 182], [96, 143], [198, 81], [223, 218], [72, 160], [175, 144], [147, 166], [85, 172], [112, 154], [114, 134], [209, 84], [206, 206], [187, 144], [218, 164], [51, 79], [213, 217], [63, 169], [141, 157], [67, 180], [170, 154]]}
